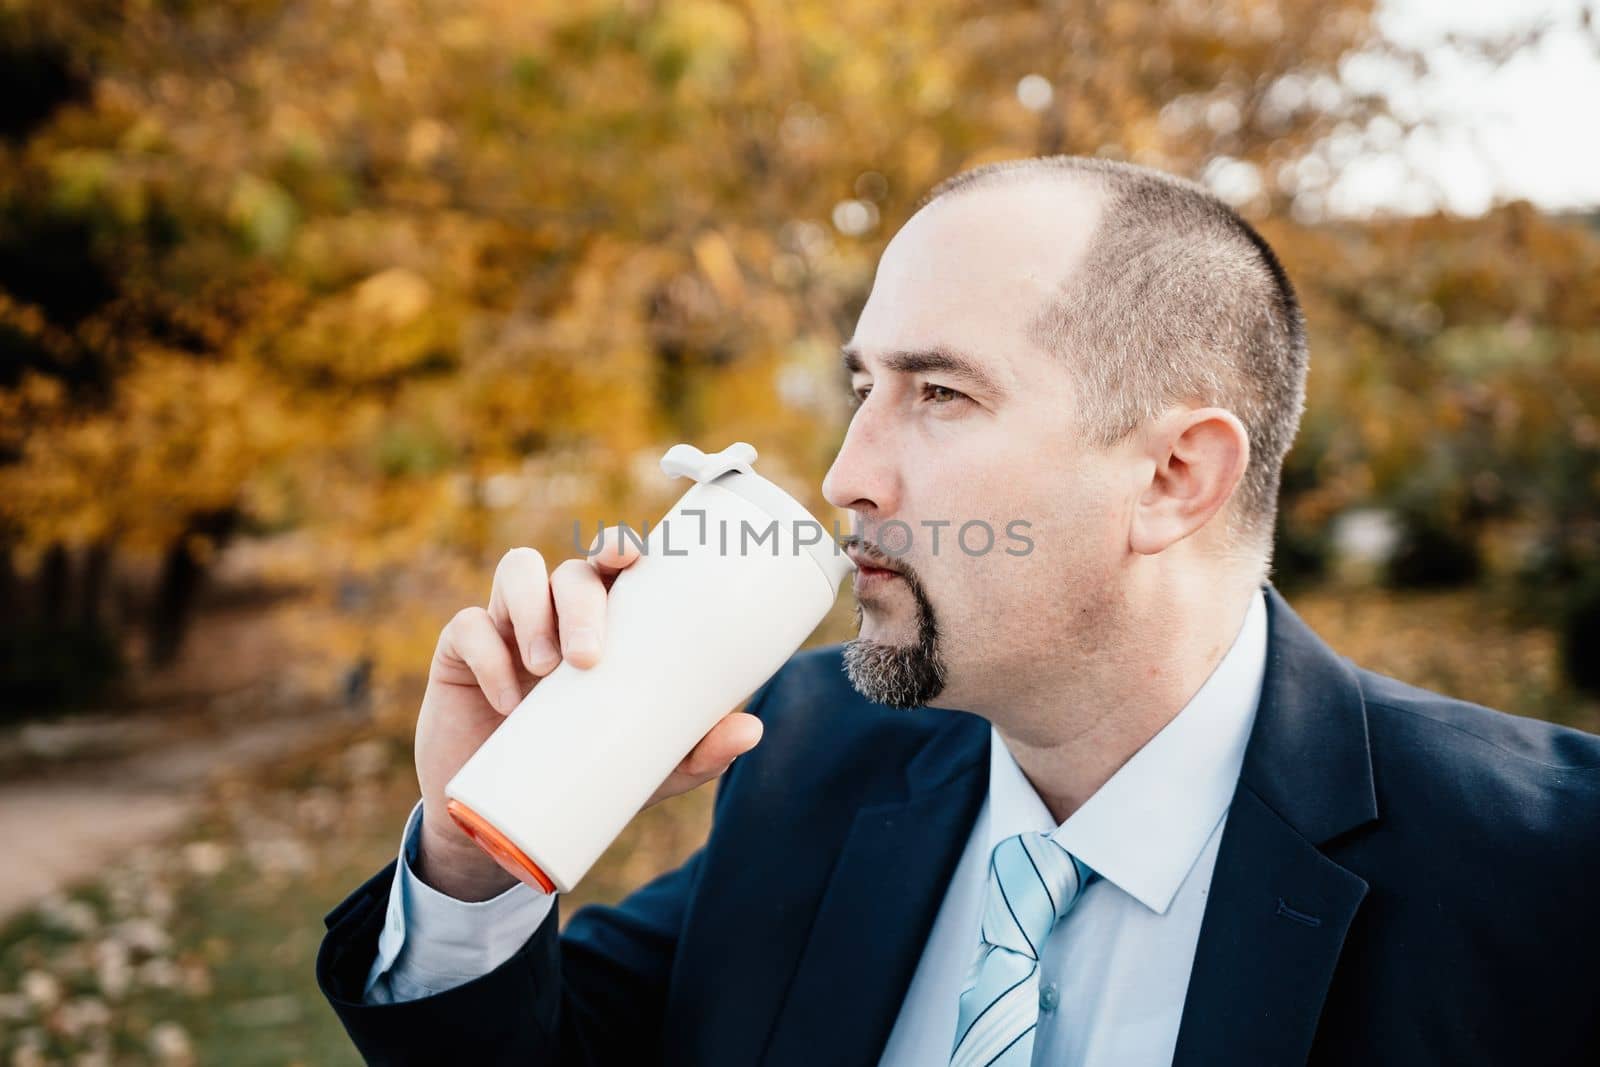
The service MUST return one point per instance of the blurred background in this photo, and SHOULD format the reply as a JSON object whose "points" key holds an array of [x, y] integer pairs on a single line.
{"points": [[310, 310]]}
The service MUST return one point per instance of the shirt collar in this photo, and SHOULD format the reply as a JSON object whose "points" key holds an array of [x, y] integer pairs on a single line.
{"points": [[1143, 830]]}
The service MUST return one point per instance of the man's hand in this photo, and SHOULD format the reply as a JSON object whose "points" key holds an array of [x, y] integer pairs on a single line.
{"points": [[487, 660]]}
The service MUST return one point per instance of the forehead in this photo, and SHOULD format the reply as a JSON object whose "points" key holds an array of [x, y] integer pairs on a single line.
{"points": [[972, 271]]}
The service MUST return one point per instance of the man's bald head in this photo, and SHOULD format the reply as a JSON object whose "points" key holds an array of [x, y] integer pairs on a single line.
{"points": [[1176, 299]]}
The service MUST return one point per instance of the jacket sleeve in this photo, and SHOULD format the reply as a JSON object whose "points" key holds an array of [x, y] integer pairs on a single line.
{"points": [[591, 995]]}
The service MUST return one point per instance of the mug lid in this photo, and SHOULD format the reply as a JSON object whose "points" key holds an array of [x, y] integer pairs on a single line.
{"points": [[733, 469], [687, 461]]}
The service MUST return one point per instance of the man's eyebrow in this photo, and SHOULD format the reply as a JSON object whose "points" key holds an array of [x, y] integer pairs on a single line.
{"points": [[922, 360]]}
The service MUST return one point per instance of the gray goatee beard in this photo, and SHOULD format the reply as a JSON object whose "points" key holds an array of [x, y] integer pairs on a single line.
{"points": [[899, 676]]}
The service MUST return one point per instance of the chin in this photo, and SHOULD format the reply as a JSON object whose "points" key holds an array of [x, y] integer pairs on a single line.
{"points": [[886, 627]]}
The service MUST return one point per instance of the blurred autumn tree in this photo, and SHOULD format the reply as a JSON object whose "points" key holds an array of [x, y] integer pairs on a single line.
{"points": [[432, 277]]}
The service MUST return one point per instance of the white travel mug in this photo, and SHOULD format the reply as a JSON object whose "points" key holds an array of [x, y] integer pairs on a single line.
{"points": [[727, 587]]}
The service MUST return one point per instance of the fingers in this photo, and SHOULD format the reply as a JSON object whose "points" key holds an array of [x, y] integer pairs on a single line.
{"points": [[546, 617], [471, 638], [613, 551], [580, 606], [520, 606], [737, 733]]}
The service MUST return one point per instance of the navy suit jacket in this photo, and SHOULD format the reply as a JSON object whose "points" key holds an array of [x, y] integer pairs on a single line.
{"points": [[1403, 879]]}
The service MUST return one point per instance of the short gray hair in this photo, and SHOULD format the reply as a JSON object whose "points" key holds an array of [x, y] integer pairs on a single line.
{"points": [[1178, 299]]}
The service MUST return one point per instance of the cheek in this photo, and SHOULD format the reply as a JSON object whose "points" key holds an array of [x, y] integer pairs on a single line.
{"points": [[1020, 533], [1072, 534], [1093, 506]]}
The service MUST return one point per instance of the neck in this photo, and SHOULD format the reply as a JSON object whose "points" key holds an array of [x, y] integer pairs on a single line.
{"points": [[1118, 681]]}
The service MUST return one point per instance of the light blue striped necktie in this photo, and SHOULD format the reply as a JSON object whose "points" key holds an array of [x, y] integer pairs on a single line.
{"points": [[1033, 882]]}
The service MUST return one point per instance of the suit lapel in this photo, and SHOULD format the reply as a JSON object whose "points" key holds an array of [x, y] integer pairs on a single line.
{"points": [[1278, 908], [1273, 928], [879, 906], [1276, 916]]}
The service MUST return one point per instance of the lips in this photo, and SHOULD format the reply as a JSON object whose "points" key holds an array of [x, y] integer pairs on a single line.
{"points": [[867, 559]]}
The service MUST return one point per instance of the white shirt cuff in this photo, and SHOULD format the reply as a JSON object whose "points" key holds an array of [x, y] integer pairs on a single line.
{"points": [[432, 942]]}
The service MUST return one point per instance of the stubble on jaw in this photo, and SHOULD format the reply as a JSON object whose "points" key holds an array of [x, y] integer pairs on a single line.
{"points": [[899, 676]]}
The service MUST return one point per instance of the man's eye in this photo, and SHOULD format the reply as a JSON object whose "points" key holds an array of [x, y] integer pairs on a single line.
{"points": [[942, 394], [939, 395]]}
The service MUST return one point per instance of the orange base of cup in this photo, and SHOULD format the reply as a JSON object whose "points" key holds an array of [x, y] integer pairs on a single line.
{"points": [[499, 847]]}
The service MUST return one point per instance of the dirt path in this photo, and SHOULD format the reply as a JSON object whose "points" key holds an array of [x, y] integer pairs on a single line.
{"points": [[77, 810], [81, 790], [57, 834]]}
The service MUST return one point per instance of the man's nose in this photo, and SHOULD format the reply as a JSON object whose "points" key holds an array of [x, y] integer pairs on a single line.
{"points": [[862, 478]]}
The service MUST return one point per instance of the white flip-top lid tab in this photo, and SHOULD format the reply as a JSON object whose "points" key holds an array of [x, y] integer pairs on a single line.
{"points": [[688, 461], [733, 469]]}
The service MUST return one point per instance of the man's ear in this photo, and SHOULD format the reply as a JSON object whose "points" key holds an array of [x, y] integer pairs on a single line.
{"points": [[1200, 455]]}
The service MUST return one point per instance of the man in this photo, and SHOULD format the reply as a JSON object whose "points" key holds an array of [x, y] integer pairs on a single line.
{"points": [[1105, 801]]}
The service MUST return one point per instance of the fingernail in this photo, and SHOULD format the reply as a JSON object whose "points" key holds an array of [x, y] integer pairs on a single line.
{"points": [[542, 652], [509, 698]]}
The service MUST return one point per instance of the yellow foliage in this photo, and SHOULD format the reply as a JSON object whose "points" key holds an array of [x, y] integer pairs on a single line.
{"points": [[400, 280]]}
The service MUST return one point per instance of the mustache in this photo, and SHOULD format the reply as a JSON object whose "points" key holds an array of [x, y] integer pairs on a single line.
{"points": [[874, 555]]}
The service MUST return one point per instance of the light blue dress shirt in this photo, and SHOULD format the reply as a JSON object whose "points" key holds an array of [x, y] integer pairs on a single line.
{"points": [[1113, 974]]}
